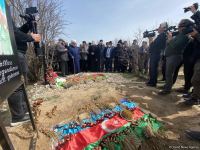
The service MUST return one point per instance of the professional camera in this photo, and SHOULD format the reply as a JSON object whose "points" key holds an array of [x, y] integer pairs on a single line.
{"points": [[30, 19], [186, 9], [173, 30], [147, 34]]}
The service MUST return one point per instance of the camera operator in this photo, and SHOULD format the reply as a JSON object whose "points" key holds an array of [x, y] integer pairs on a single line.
{"points": [[174, 52], [16, 100], [155, 49], [195, 97], [21, 38]]}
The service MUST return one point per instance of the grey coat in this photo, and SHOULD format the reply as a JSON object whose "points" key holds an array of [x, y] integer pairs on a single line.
{"points": [[62, 52]]}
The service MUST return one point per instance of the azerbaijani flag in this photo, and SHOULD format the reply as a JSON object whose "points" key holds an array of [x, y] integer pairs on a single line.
{"points": [[90, 137]]}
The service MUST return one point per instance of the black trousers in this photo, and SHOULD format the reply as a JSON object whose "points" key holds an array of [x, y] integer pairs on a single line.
{"points": [[188, 64], [84, 65], [92, 64], [153, 69], [116, 65], [64, 67], [163, 67], [17, 104], [108, 64], [188, 72]]}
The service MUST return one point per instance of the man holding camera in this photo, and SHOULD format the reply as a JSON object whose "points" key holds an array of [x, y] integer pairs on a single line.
{"points": [[195, 97], [16, 100], [174, 52], [155, 49]]}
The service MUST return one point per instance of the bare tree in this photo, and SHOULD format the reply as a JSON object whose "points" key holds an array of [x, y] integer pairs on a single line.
{"points": [[50, 22], [138, 35]]}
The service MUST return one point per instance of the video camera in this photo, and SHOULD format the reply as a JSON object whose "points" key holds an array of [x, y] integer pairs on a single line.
{"points": [[186, 9], [151, 33], [30, 19]]}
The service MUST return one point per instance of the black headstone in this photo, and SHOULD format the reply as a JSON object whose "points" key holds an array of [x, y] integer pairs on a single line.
{"points": [[10, 76]]}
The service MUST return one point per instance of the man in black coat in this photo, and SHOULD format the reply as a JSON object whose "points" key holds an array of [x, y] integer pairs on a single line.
{"points": [[155, 49], [195, 97], [16, 100], [100, 54], [92, 60], [108, 56]]}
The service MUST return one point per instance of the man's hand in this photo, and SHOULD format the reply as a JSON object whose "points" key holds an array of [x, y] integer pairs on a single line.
{"points": [[150, 40], [169, 36], [36, 37], [194, 33]]}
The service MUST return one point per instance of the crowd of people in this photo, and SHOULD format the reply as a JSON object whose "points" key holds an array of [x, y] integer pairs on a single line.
{"points": [[169, 49], [101, 57]]}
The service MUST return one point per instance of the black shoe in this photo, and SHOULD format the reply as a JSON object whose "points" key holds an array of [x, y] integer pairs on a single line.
{"points": [[150, 84], [184, 91], [161, 87], [18, 122], [164, 92], [162, 80], [192, 101], [195, 135], [187, 96]]}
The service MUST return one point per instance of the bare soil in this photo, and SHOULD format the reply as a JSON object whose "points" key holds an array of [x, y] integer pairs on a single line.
{"points": [[169, 109]]}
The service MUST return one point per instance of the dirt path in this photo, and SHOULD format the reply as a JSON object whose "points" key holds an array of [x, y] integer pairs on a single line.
{"points": [[178, 118]]}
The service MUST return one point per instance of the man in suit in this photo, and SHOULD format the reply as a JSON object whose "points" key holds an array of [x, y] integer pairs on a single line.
{"points": [[108, 55], [156, 46]]}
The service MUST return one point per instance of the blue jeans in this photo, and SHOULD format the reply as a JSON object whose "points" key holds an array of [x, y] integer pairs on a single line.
{"points": [[153, 69]]}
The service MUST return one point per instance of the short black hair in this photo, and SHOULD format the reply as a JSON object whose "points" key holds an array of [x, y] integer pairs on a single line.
{"points": [[196, 5]]}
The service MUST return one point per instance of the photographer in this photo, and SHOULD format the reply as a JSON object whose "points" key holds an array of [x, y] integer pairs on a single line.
{"points": [[21, 38], [155, 49], [174, 52], [195, 97], [16, 100]]}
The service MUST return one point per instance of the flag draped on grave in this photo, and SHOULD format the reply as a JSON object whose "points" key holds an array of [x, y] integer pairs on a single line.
{"points": [[111, 129]]}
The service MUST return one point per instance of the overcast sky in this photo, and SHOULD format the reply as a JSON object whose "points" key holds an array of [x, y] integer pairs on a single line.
{"points": [[110, 19]]}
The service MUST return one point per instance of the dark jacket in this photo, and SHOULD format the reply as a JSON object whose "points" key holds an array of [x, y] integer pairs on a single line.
{"points": [[177, 45], [116, 51], [100, 49], [111, 52], [21, 38], [92, 52], [196, 53], [196, 18], [123, 56], [158, 44]]}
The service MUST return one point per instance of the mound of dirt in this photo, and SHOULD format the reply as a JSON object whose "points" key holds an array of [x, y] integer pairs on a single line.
{"points": [[176, 117]]}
